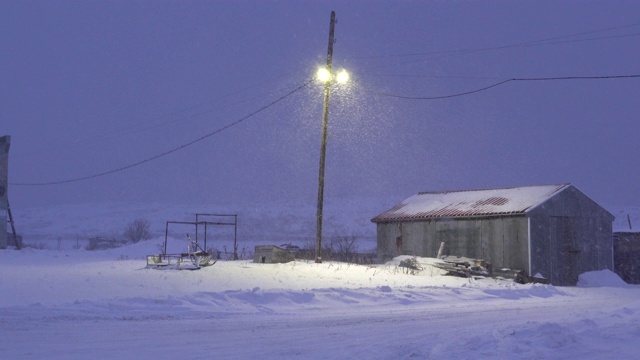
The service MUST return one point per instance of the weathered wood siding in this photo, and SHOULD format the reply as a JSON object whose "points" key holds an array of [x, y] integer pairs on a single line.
{"points": [[570, 235], [626, 256], [565, 236], [501, 241]]}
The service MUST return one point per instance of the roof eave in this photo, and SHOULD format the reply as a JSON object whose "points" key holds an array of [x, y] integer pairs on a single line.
{"points": [[560, 189], [379, 220]]}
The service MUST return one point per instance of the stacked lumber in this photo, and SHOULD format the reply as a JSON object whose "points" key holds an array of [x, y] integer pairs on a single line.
{"points": [[464, 267]]}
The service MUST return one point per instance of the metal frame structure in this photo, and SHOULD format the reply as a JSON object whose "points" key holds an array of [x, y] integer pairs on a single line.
{"points": [[196, 223], [198, 255], [234, 224]]}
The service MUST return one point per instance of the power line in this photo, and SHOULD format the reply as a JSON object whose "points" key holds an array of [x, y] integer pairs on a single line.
{"points": [[542, 42], [300, 87], [154, 123], [435, 76], [507, 81], [183, 146], [530, 43]]}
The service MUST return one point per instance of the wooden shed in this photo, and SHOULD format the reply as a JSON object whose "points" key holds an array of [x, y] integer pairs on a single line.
{"points": [[555, 231]]}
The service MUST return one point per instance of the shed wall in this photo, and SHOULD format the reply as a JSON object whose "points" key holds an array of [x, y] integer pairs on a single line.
{"points": [[570, 235], [501, 241], [564, 236]]}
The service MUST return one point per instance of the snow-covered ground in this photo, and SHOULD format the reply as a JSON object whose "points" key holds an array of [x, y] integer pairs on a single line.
{"points": [[76, 304]]}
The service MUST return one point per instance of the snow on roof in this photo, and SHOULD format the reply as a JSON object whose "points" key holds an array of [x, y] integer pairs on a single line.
{"points": [[470, 203]]}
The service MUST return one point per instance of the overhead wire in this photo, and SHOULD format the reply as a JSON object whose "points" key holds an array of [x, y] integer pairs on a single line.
{"points": [[173, 150], [546, 41], [504, 82], [194, 115], [159, 121], [478, 50], [539, 42], [419, 57]]}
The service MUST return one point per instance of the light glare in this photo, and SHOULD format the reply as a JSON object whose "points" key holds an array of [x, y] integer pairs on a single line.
{"points": [[343, 76], [323, 75]]}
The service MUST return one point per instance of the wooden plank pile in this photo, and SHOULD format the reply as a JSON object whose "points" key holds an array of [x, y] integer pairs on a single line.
{"points": [[464, 267], [478, 268]]}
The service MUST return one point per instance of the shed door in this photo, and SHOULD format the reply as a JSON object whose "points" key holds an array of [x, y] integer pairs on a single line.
{"points": [[564, 232]]}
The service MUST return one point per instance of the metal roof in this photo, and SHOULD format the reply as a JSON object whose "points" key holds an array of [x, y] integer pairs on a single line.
{"points": [[470, 203]]}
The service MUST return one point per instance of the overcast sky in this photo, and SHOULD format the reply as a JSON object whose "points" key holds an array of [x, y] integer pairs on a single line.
{"points": [[92, 86]]}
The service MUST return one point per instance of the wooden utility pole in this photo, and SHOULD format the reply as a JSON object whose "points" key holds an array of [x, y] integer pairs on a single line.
{"points": [[323, 143], [17, 242], [5, 142]]}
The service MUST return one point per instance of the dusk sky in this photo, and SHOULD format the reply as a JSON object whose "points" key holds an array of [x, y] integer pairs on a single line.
{"points": [[88, 87]]}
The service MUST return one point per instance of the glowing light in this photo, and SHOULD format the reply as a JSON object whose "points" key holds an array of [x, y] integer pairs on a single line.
{"points": [[343, 76], [323, 75]]}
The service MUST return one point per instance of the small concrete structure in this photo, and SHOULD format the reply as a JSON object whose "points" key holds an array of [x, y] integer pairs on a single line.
{"points": [[552, 230], [271, 254], [5, 141]]}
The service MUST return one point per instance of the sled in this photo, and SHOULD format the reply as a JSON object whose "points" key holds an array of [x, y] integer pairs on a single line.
{"points": [[195, 258], [183, 261]]}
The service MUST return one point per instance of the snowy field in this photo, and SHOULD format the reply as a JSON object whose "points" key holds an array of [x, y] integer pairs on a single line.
{"points": [[63, 303]]}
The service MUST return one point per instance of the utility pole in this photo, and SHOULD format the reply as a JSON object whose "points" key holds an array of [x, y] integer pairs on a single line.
{"points": [[323, 143], [16, 241], [5, 142]]}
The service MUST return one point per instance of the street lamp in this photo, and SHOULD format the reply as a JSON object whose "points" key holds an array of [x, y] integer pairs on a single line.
{"points": [[342, 76], [325, 75]]}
